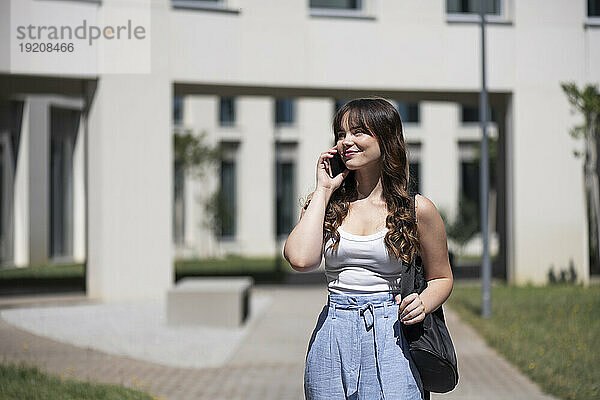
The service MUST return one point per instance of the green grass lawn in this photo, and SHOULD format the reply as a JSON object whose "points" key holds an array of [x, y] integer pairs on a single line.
{"points": [[205, 266], [19, 381], [43, 272], [229, 265], [551, 333]]}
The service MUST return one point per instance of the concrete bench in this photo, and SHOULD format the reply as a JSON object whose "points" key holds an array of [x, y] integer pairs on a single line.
{"points": [[223, 302]]}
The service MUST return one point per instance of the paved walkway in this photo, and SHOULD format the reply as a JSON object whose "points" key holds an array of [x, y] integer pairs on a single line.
{"points": [[267, 365]]}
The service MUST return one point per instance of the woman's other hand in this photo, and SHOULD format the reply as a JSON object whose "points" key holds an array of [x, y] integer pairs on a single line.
{"points": [[324, 179], [411, 309]]}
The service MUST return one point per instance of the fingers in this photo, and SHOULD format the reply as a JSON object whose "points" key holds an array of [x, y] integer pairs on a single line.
{"points": [[411, 309], [406, 300], [327, 154], [342, 175], [414, 312], [323, 162], [415, 320], [398, 298]]}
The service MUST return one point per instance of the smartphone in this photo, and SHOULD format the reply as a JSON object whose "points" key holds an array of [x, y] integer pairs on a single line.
{"points": [[337, 165]]}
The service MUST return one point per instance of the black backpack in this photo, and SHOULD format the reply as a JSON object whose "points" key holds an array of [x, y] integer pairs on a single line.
{"points": [[429, 341]]}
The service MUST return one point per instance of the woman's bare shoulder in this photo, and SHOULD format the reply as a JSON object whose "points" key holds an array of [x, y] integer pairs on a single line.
{"points": [[425, 209]]}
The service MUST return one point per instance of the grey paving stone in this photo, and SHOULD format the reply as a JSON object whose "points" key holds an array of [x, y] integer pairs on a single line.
{"points": [[268, 363]]}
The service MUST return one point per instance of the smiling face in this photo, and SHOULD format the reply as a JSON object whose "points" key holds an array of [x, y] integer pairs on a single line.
{"points": [[356, 144]]}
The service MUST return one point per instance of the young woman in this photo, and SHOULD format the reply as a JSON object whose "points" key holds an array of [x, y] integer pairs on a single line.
{"points": [[361, 220]]}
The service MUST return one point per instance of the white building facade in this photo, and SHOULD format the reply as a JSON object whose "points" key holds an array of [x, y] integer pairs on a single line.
{"points": [[87, 159]]}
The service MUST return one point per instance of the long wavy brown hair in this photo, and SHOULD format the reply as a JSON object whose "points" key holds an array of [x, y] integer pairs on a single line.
{"points": [[380, 118]]}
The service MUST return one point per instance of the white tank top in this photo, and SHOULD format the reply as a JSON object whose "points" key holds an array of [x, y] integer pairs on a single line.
{"points": [[361, 265]]}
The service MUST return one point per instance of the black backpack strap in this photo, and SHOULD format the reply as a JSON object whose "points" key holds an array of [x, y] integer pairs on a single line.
{"points": [[407, 278]]}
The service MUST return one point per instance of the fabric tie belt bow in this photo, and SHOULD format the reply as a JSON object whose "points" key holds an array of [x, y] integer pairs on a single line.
{"points": [[367, 312]]}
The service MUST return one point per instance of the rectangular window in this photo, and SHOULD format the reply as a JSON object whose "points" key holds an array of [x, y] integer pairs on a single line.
{"points": [[493, 7], [593, 8], [178, 204], [471, 114], [11, 117], [227, 203], [409, 112], [285, 187], [200, 4], [284, 111], [470, 158], [414, 167], [285, 197], [177, 110], [415, 177], [339, 103], [227, 111], [63, 133], [336, 4]]}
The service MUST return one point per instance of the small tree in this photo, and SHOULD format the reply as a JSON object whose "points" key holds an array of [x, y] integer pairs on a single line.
{"points": [[464, 226], [467, 221], [192, 156], [587, 102]]}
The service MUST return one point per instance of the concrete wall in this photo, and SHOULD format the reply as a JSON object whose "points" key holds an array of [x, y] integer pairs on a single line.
{"points": [[130, 179]]}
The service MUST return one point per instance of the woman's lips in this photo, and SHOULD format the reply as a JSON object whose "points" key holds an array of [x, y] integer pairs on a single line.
{"points": [[350, 153]]}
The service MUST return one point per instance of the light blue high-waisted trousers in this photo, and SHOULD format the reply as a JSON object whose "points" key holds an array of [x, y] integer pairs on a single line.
{"points": [[358, 352]]}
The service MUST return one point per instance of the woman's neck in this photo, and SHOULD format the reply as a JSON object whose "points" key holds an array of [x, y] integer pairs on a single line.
{"points": [[368, 184]]}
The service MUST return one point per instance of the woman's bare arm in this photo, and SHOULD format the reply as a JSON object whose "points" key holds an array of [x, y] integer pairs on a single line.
{"points": [[434, 253], [304, 246]]}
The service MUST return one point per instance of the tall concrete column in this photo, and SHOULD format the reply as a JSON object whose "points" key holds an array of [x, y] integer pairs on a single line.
{"points": [[315, 116], [21, 188], [200, 115], [549, 202], [79, 194], [39, 186], [130, 172], [439, 162], [256, 177]]}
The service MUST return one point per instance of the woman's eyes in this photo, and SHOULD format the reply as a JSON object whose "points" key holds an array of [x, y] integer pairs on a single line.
{"points": [[357, 132]]}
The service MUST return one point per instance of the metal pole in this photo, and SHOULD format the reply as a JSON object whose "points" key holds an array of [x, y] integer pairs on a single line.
{"points": [[486, 270]]}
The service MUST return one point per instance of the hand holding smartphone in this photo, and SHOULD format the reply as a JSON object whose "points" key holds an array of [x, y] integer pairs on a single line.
{"points": [[336, 164]]}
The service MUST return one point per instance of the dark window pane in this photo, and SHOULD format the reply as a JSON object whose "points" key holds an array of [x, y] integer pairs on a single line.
{"points": [[2, 195], [472, 6], [177, 110], [471, 114], [285, 197], [178, 204], [64, 126], [284, 111], [593, 8], [415, 177], [228, 198], [227, 111], [10, 132], [339, 103], [337, 4], [408, 111], [470, 184]]}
